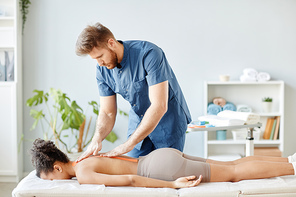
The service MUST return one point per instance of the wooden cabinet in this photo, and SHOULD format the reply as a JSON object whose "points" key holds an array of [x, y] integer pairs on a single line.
{"points": [[251, 94], [10, 92]]}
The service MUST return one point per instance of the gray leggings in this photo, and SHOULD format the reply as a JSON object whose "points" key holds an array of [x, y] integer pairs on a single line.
{"points": [[169, 164]]}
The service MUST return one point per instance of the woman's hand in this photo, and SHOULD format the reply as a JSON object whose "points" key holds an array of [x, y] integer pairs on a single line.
{"points": [[189, 181]]}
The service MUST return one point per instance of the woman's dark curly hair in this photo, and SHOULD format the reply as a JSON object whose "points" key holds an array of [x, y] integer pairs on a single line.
{"points": [[44, 155]]}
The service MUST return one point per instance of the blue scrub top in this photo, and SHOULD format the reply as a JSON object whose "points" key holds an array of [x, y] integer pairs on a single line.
{"points": [[144, 64]]}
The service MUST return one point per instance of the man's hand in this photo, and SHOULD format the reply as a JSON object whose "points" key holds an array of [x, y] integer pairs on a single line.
{"points": [[189, 181], [119, 150], [93, 149]]}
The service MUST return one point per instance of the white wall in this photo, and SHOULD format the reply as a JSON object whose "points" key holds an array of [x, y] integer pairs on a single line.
{"points": [[201, 38]]}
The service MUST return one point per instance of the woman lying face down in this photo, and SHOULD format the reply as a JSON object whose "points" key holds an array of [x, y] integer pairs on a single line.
{"points": [[165, 167]]}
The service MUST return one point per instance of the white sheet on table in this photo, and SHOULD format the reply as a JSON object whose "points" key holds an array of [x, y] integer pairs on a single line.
{"points": [[220, 121], [277, 186], [32, 182], [247, 117], [32, 186]]}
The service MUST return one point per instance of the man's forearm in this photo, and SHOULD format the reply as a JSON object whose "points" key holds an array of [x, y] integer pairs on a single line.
{"points": [[104, 126], [158, 95], [149, 122]]}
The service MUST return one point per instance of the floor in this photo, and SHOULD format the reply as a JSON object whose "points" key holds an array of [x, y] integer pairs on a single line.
{"points": [[6, 189]]}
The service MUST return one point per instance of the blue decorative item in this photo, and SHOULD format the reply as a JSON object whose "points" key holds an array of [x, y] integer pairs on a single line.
{"points": [[243, 108], [9, 67], [2, 72], [219, 104], [221, 134], [214, 109], [229, 106]]}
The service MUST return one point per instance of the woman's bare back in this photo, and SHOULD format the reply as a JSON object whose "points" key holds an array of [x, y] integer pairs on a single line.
{"points": [[106, 165]]}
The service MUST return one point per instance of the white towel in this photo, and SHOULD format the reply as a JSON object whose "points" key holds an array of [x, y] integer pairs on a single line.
{"points": [[263, 76], [220, 121], [245, 78], [250, 72], [243, 108], [247, 117]]}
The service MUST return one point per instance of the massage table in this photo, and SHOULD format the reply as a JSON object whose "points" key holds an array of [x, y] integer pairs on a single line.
{"points": [[32, 186]]}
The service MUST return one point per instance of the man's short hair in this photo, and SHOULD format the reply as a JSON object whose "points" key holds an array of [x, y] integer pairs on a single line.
{"points": [[92, 36]]}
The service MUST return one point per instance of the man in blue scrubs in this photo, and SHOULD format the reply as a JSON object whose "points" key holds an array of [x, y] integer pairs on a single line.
{"points": [[141, 74]]}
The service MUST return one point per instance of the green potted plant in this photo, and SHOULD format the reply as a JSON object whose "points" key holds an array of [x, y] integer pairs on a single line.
{"points": [[24, 9], [62, 119], [267, 104]]}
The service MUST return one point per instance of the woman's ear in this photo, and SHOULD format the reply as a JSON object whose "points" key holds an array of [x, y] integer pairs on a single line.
{"points": [[58, 168]]}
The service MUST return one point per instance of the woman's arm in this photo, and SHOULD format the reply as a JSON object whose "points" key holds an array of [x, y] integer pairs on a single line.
{"points": [[183, 182], [135, 180]]}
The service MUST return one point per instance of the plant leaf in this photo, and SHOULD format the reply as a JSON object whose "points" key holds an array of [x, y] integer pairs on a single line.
{"points": [[37, 98], [95, 106], [122, 112], [37, 115], [76, 115], [65, 126], [112, 137], [60, 98]]}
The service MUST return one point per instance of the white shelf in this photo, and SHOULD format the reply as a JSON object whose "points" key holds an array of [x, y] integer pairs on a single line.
{"points": [[7, 18], [270, 114], [6, 83], [7, 47], [250, 94], [11, 95], [243, 142], [274, 82]]}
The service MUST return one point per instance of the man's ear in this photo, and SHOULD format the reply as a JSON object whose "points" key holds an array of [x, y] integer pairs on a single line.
{"points": [[58, 168], [111, 43]]}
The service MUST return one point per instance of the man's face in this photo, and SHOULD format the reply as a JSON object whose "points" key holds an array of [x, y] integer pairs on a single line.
{"points": [[105, 57]]}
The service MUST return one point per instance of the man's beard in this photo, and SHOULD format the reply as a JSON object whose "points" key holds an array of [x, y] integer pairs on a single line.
{"points": [[114, 60]]}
